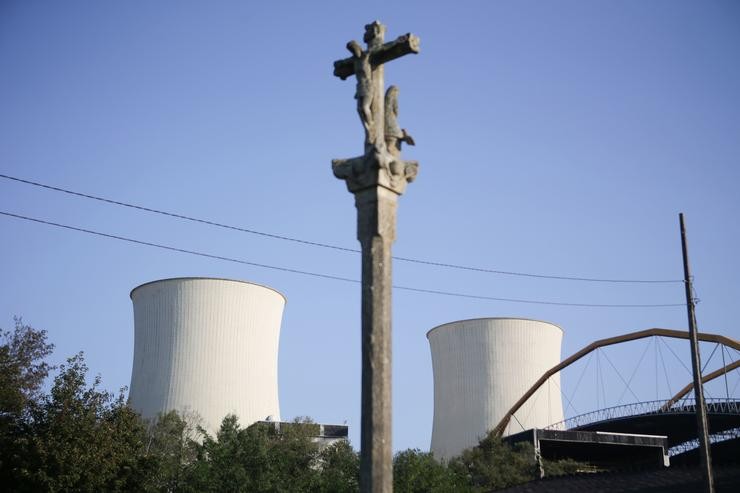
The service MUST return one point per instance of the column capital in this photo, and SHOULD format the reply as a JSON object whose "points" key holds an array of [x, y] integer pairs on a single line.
{"points": [[377, 168]]}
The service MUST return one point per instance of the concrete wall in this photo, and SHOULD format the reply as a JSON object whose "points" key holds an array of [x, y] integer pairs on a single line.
{"points": [[207, 346], [481, 368]]}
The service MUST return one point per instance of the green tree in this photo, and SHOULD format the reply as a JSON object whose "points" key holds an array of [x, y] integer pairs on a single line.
{"points": [[267, 458], [493, 464], [340, 468], [260, 458], [295, 456], [415, 471], [170, 450], [77, 438], [565, 467], [233, 460], [22, 372], [22, 368]]}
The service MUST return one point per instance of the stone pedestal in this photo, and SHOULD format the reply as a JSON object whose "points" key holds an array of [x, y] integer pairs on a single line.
{"points": [[376, 230]]}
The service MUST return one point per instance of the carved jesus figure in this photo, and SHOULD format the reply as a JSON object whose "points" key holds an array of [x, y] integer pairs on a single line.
{"points": [[364, 93]]}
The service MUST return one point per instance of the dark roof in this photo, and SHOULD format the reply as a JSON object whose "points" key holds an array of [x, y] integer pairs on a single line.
{"points": [[664, 480]]}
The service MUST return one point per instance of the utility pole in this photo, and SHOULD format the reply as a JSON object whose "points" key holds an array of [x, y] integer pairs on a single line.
{"points": [[701, 410]]}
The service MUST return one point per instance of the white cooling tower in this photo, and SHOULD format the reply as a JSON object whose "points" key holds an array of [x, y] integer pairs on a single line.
{"points": [[207, 346], [481, 368]]}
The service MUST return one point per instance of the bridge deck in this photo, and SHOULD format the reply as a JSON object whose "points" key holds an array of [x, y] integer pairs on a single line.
{"points": [[678, 424], [603, 450]]}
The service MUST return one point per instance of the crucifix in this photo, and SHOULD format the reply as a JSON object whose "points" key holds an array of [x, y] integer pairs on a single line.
{"points": [[376, 178]]}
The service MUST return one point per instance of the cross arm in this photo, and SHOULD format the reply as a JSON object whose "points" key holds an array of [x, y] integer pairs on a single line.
{"points": [[403, 45]]}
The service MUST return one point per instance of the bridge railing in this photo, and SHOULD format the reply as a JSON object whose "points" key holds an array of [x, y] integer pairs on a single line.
{"points": [[721, 436], [715, 406]]}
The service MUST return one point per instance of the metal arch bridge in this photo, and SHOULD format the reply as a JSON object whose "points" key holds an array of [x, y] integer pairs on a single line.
{"points": [[674, 418], [678, 423], [583, 421]]}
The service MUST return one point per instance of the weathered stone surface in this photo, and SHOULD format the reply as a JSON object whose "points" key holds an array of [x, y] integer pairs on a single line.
{"points": [[377, 178], [403, 45], [394, 134], [376, 221], [375, 169], [380, 163]]}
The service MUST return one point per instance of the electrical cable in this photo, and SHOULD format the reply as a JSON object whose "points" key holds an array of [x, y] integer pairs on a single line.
{"points": [[627, 385], [563, 394], [737, 382], [335, 247], [178, 216], [724, 365], [537, 302], [329, 276], [665, 370], [706, 363], [655, 358], [634, 372], [520, 424], [679, 359], [533, 403], [181, 250], [583, 372]]}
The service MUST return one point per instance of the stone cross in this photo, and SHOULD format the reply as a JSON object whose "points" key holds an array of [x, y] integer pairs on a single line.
{"points": [[377, 178]]}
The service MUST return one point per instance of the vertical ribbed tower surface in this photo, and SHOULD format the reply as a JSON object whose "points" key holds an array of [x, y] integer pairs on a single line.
{"points": [[208, 346], [481, 368]]}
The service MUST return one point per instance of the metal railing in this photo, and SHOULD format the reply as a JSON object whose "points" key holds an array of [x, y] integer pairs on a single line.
{"points": [[731, 434], [686, 406]]}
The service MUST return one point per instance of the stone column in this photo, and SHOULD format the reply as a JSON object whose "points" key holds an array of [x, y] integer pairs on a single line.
{"points": [[376, 189], [376, 220]]}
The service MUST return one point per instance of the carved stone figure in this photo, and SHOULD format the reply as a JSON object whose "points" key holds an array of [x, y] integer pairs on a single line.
{"points": [[374, 34], [380, 164], [394, 135], [364, 93]]}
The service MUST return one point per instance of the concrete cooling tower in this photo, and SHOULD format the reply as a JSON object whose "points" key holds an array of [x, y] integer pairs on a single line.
{"points": [[207, 346], [481, 368]]}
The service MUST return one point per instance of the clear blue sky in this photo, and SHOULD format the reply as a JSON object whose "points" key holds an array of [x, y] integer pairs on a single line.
{"points": [[554, 137]]}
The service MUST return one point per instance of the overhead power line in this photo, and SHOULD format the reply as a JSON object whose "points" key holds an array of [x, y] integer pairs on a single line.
{"points": [[178, 216], [328, 276], [335, 247]]}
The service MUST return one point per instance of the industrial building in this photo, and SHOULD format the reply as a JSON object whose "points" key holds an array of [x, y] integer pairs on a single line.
{"points": [[481, 367], [206, 346], [209, 347]]}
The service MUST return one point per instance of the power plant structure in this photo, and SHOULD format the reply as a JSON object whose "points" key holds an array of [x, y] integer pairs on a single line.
{"points": [[481, 368], [208, 346]]}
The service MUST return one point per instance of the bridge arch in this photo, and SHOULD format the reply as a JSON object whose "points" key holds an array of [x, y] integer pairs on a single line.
{"points": [[704, 379], [632, 336]]}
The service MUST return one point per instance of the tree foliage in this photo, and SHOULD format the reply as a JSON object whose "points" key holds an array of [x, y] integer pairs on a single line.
{"points": [[170, 451], [22, 367], [489, 466], [265, 458], [493, 464], [340, 468], [415, 471], [77, 438], [80, 438]]}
